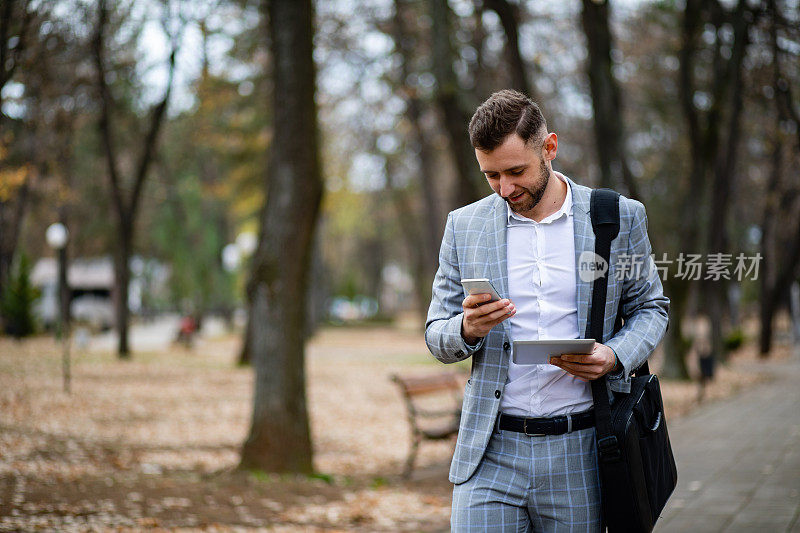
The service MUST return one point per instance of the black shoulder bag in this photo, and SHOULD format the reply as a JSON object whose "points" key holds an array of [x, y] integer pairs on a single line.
{"points": [[637, 469]]}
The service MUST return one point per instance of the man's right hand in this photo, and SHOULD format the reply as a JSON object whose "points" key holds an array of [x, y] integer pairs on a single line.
{"points": [[480, 317]]}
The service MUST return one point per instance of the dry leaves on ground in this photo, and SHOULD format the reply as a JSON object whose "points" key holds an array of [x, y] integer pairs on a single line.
{"points": [[154, 442]]}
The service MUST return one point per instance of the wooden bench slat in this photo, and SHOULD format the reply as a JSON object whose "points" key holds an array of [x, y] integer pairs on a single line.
{"points": [[414, 386]]}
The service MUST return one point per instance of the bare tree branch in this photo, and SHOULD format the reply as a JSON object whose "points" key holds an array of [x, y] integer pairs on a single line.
{"points": [[106, 105], [509, 19], [157, 117], [782, 87]]}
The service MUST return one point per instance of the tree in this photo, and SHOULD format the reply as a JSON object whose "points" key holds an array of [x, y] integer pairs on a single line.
{"points": [[509, 19], [714, 132], [425, 257], [279, 438], [17, 25], [125, 209], [780, 269], [455, 112], [609, 131], [16, 305], [210, 168]]}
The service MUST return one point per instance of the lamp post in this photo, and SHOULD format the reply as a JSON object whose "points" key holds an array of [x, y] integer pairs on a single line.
{"points": [[57, 236]]}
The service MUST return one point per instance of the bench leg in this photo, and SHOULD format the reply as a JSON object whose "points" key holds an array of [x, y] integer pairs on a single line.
{"points": [[412, 455]]}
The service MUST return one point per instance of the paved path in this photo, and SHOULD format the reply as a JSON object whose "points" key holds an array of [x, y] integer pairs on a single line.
{"points": [[739, 461]]}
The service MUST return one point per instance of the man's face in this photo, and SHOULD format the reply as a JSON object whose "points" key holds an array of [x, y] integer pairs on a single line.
{"points": [[519, 172]]}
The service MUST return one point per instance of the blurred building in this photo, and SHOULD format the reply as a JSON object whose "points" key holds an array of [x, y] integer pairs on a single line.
{"points": [[91, 284]]}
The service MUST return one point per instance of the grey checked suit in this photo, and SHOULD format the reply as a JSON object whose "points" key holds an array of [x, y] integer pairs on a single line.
{"points": [[474, 246]]}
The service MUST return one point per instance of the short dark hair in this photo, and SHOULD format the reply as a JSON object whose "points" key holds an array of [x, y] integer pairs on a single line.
{"points": [[503, 113]]}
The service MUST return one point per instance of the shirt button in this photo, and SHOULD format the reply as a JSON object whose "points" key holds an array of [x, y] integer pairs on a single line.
{"points": [[497, 394], [506, 346]]}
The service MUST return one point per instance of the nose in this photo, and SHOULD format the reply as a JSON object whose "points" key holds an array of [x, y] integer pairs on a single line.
{"points": [[506, 187]]}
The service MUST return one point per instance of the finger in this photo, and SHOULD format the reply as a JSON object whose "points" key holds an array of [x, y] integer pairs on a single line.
{"points": [[580, 358], [582, 367], [577, 367], [474, 300], [500, 306], [483, 306], [499, 315]]}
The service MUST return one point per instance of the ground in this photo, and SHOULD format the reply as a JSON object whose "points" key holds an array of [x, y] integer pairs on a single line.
{"points": [[154, 442]]}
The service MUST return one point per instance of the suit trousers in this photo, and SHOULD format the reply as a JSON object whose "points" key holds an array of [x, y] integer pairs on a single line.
{"points": [[525, 483]]}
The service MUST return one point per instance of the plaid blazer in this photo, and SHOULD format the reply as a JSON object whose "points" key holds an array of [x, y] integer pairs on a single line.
{"points": [[474, 246]]}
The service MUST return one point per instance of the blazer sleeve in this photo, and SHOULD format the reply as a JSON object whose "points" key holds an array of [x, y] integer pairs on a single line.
{"points": [[443, 325], [643, 306]]}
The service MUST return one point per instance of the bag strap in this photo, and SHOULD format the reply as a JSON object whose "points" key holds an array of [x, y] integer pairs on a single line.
{"points": [[604, 212]]}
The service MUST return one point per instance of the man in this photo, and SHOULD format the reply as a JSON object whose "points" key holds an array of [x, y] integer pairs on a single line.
{"points": [[528, 239]]}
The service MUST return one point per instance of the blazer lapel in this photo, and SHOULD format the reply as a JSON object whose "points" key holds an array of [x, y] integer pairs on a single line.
{"points": [[584, 241], [495, 230]]}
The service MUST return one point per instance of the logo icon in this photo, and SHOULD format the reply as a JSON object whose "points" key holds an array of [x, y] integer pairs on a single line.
{"points": [[591, 266]]}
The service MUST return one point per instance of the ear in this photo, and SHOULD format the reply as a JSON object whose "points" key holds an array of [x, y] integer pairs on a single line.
{"points": [[550, 146]]}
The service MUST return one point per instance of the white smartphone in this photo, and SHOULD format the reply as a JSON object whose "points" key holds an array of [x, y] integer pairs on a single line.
{"points": [[480, 286]]}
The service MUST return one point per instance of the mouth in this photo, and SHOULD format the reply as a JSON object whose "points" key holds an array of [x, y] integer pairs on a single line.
{"points": [[517, 198]]}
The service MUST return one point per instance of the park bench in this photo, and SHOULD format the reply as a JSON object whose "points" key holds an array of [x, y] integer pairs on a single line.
{"points": [[433, 406]]}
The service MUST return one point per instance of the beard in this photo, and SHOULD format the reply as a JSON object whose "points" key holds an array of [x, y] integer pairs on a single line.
{"points": [[534, 195]]}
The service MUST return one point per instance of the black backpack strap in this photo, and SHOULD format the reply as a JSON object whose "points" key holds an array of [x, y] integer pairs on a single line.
{"points": [[604, 211]]}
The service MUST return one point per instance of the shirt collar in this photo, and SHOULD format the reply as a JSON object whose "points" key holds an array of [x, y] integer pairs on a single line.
{"points": [[564, 210]]}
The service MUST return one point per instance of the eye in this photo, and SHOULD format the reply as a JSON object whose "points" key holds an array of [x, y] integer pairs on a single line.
{"points": [[516, 172]]}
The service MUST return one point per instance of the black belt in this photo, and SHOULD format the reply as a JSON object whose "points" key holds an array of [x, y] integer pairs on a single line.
{"points": [[539, 427]]}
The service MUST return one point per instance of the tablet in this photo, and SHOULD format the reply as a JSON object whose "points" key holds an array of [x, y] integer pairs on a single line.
{"points": [[539, 352]]}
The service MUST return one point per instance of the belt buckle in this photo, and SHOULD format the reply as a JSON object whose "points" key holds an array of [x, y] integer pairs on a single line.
{"points": [[525, 429]]}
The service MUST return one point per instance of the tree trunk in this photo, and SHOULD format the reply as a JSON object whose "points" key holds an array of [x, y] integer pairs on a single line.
{"points": [[794, 310], [676, 346], [245, 357], [455, 116], [126, 209], [425, 258], [411, 235], [608, 120], [509, 19], [724, 180], [16, 21], [775, 294], [713, 140], [122, 278], [434, 226], [768, 305], [12, 215], [779, 270], [279, 438]]}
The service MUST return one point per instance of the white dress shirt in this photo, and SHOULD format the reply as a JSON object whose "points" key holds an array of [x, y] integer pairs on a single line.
{"points": [[542, 285]]}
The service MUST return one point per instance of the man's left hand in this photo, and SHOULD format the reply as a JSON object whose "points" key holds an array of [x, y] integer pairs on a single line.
{"points": [[587, 367]]}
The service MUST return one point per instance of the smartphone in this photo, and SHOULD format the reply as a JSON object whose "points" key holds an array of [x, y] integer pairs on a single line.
{"points": [[480, 286]]}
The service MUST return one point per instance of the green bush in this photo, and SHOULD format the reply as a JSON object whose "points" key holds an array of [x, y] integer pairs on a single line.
{"points": [[734, 340], [16, 306]]}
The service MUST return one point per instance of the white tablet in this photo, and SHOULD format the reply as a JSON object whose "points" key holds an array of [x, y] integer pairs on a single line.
{"points": [[539, 352]]}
